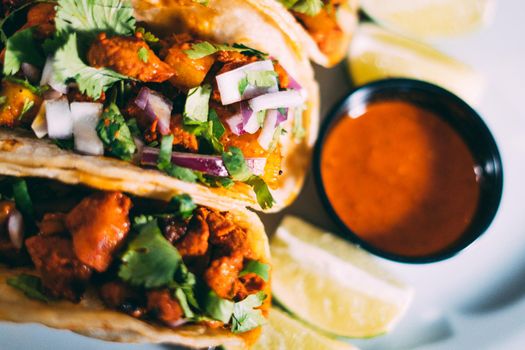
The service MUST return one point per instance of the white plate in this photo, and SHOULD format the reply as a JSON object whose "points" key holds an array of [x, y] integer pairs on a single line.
{"points": [[475, 300]]}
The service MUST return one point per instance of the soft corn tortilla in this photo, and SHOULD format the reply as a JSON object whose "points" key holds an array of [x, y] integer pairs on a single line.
{"points": [[346, 16], [91, 318], [238, 21]]}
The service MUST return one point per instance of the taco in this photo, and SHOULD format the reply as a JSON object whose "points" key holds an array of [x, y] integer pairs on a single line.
{"points": [[323, 27], [124, 267], [225, 110]]}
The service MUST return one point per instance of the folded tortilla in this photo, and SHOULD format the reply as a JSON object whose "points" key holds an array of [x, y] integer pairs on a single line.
{"points": [[236, 21], [347, 19], [90, 317]]}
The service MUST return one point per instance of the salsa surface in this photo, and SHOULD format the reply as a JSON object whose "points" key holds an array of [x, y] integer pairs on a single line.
{"points": [[400, 178]]}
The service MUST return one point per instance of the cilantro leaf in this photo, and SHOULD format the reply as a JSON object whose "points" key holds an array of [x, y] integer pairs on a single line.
{"points": [[25, 84], [260, 269], [236, 165], [202, 2], [30, 285], [197, 104], [218, 308], [28, 104], [262, 192], [114, 17], [184, 205], [21, 47], [150, 260], [91, 81], [143, 54], [164, 162], [115, 134], [183, 301], [245, 315], [23, 198], [308, 7], [205, 48], [261, 78], [215, 181], [148, 36], [243, 85]]}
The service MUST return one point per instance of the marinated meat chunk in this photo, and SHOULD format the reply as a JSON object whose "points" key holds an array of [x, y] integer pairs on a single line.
{"points": [[164, 306], [173, 228], [182, 140], [248, 284], [119, 296], [20, 105], [99, 224], [223, 273], [41, 17], [226, 236], [52, 224], [63, 275], [195, 241], [188, 73], [325, 31], [282, 75], [129, 56]]}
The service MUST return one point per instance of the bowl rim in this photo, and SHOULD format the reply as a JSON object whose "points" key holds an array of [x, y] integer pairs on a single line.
{"points": [[467, 237]]}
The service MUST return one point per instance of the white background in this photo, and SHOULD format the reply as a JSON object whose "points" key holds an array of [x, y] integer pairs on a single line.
{"points": [[475, 300]]}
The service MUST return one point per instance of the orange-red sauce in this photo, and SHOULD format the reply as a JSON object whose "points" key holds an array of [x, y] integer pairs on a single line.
{"points": [[400, 178]]}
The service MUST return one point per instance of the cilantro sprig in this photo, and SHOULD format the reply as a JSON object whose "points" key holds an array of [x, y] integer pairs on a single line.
{"points": [[115, 133], [236, 165], [21, 47], [92, 81], [114, 17], [164, 162], [205, 48]]}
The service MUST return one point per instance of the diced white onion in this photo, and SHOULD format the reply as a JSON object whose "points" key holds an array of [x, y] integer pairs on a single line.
{"points": [[58, 118], [85, 119], [39, 124], [228, 83], [235, 124], [15, 228], [48, 77], [274, 100], [266, 136], [252, 125]]}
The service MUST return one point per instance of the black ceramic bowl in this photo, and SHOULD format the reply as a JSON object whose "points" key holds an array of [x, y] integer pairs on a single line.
{"points": [[462, 118]]}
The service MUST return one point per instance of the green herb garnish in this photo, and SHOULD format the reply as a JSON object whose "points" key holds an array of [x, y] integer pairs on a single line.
{"points": [[21, 48], [245, 315], [308, 7], [143, 54], [22, 198], [91, 81], [205, 48], [30, 285], [260, 269], [164, 162], [184, 205], [197, 105], [115, 134]]}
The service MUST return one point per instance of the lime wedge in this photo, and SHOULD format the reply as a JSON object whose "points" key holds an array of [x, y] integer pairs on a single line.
{"points": [[377, 54], [284, 333], [333, 285], [430, 18]]}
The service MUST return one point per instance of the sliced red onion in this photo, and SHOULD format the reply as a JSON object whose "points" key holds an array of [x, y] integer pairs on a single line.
{"points": [[282, 117], [15, 227], [228, 83], [157, 107], [39, 124], [31, 72], [212, 165], [51, 94], [85, 119], [270, 123], [249, 119], [140, 147], [235, 123], [59, 119], [274, 100], [48, 77]]}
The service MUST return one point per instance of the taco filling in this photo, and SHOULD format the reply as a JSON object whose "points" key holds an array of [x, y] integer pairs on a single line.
{"points": [[166, 263], [319, 19], [87, 76]]}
